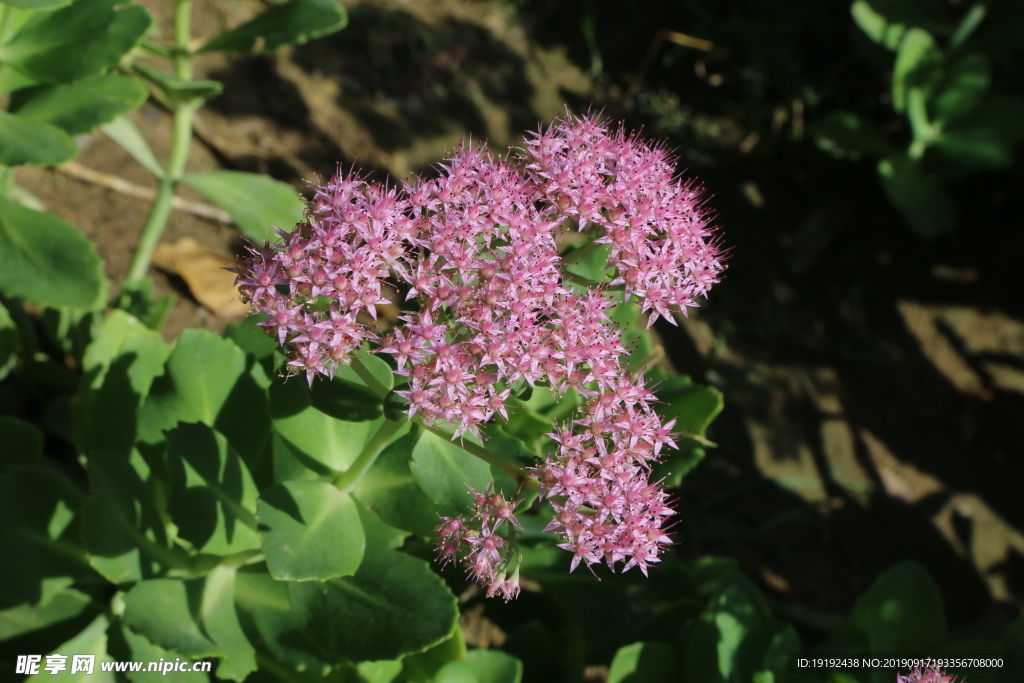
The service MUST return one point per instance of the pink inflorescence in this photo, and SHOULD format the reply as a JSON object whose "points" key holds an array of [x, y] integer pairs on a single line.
{"points": [[927, 675], [481, 546], [477, 249]]}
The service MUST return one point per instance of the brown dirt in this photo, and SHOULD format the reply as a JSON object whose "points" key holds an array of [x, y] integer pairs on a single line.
{"points": [[861, 428]]}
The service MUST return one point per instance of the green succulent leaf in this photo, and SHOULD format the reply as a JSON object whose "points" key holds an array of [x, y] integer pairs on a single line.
{"points": [[731, 637], [10, 344], [322, 442], [310, 531], [289, 23], [255, 202], [121, 526], [393, 606], [43, 259], [918, 65], [846, 135], [36, 4], [642, 663], [119, 367], [25, 618], [196, 618], [963, 87], [179, 90], [40, 512], [485, 666], [918, 195], [886, 21], [212, 497], [446, 472], [23, 443], [24, 141], [210, 380], [96, 33], [92, 640], [125, 133], [81, 106], [986, 138], [901, 611], [390, 489], [267, 614]]}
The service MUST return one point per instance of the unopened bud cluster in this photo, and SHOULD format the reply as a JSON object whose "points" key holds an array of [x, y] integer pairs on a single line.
{"points": [[476, 248]]}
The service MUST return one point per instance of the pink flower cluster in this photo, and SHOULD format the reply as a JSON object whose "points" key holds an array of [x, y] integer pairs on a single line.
{"points": [[598, 481], [477, 249], [926, 675], [492, 558]]}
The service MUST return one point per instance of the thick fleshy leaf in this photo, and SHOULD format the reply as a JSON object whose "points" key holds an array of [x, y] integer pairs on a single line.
{"points": [[423, 666], [642, 663], [125, 133], [344, 400], [985, 139], [693, 406], [918, 65], [121, 527], [446, 472], [963, 86], [394, 605], [310, 530], [91, 30], [39, 508], [289, 23], [220, 622], [266, 611], [81, 106], [36, 4], [119, 367], [43, 259], [846, 135], [90, 640], [212, 497], [10, 343], [196, 618], [729, 639], [255, 202], [390, 489], [901, 611], [312, 434], [23, 443], [886, 21], [26, 618], [163, 610], [485, 666], [919, 196], [210, 380], [125, 645], [179, 90], [23, 141]]}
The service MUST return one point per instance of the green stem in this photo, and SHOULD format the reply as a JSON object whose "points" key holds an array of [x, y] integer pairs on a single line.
{"points": [[347, 480], [180, 141], [517, 473]]}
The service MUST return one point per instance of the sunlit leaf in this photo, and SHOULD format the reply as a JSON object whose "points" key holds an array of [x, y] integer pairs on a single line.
{"points": [[288, 23], [81, 106], [310, 530], [255, 202], [23, 141]]}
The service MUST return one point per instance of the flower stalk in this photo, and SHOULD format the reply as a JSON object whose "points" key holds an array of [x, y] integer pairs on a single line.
{"points": [[181, 138]]}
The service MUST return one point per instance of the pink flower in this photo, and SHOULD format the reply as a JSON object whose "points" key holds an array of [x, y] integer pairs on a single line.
{"points": [[927, 675], [476, 249]]}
